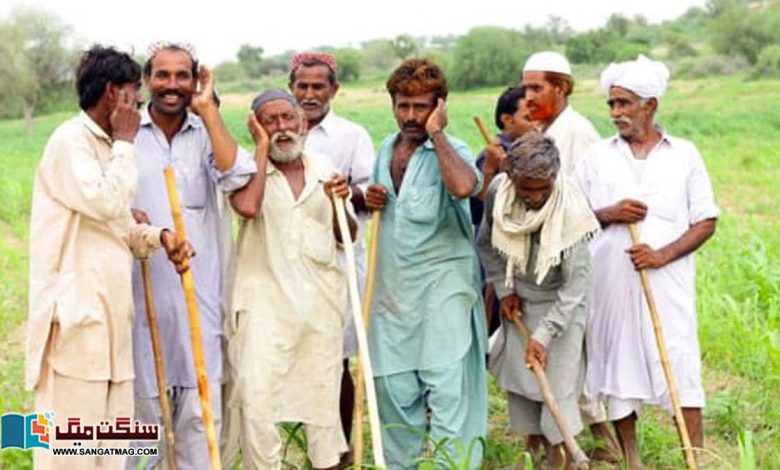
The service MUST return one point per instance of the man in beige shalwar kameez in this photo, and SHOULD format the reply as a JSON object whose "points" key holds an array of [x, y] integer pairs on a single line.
{"points": [[79, 332], [290, 293]]}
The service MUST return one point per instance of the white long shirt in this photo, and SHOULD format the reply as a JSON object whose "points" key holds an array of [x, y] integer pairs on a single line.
{"points": [[623, 360]]}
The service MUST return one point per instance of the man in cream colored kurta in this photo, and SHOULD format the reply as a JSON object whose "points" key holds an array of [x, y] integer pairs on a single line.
{"points": [[79, 343], [290, 293]]}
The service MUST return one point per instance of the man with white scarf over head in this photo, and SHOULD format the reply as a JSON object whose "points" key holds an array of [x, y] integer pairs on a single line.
{"points": [[533, 245], [659, 182]]}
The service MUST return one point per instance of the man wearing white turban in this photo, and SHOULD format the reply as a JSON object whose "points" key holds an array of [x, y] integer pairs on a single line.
{"points": [[659, 182], [548, 82]]}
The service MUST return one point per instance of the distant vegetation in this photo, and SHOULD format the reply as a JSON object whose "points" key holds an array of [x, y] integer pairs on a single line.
{"points": [[37, 53]]}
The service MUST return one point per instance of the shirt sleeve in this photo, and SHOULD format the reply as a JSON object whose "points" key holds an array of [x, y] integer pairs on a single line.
{"points": [[143, 239], [362, 160], [237, 176], [492, 261], [571, 296], [701, 202], [80, 183]]}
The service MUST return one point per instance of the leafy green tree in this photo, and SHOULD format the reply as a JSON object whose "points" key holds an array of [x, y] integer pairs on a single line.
{"points": [[737, 28], [250, 58], [404, 46], [488, 56], [34, 59], [349, 64]]}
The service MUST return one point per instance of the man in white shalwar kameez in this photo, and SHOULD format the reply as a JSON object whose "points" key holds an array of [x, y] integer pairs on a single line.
{"points": [[644, 176], [289, 294]]}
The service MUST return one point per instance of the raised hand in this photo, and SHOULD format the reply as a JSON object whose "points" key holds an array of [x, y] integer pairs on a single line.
{"points": [[125, 119], [437, 121], [259, 135], [204, 97], [494, 156]]}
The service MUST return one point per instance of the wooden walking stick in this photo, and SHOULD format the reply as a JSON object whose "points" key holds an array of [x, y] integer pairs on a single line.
{"points": [[482, 129], [354, 294], [579, 457], [188, 285], [682, 429], [368, 295], [159, 370]]}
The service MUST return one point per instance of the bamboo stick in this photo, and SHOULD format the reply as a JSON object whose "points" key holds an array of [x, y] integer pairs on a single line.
{"points": [[188, 285], [373, 410], [159, 369], [682, 429], [368, 297]]}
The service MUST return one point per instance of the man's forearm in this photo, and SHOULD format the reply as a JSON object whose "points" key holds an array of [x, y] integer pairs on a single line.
{"points": [[248, 200], [222, 143], [458, 177], [689, 241]]}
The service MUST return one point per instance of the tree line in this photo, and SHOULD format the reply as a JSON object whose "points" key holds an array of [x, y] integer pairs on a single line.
{"points": [[37, 54]]}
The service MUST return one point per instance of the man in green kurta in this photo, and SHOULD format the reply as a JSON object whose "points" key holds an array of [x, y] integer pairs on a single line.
{"points": [[533, 244], [427, 334]]}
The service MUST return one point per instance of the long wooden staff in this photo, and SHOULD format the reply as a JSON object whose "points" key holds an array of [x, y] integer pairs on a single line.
{"points": [[188, 285], [579, 457], [159, 370], [354, 294], [682, 429], [368, 295]]}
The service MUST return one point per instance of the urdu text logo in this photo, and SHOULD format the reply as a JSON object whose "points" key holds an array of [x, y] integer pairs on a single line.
{"points": [[26, 432]]}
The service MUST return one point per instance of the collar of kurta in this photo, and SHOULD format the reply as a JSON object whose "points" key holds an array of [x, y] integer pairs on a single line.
{"points": [[270, 168], [94, 127], [327, 123], [665, 138], [190, 120], [427, 145], [559, 120]]}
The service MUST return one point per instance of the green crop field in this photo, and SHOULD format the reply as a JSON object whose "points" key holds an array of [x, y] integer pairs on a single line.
{"points": [[736, 125]]}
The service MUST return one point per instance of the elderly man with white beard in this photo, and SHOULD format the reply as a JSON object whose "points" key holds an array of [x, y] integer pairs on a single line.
{"points": [[647, 177], [289, 294]]}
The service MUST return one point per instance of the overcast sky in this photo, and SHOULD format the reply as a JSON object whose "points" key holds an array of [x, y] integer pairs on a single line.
{"points": [[219, 30]]}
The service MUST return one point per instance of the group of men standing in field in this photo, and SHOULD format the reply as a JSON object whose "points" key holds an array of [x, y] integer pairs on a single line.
{"points": [[551, 246]]}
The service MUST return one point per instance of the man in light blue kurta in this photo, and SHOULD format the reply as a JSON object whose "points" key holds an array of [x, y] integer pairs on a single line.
{"points": [[207, 163], [427, 331]]}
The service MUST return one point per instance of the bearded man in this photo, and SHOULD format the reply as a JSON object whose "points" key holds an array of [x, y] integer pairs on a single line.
{"points": [[290, 292], [314, 83]]}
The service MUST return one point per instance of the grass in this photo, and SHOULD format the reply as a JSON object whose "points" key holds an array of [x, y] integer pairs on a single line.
{"points": [[734, 123]]}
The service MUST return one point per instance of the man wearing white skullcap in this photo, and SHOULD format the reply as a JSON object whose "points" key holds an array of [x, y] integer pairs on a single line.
{"points": [[549, 82], [659, 182]]}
